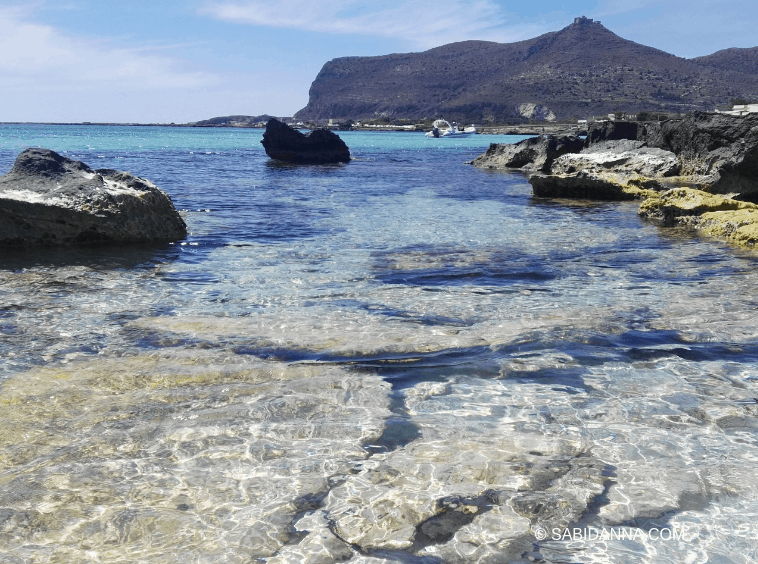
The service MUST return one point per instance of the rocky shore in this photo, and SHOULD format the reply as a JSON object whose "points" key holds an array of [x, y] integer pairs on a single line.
{"points": [[700, 171]]}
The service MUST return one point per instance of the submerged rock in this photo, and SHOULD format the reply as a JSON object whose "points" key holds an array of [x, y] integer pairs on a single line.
{"points": [[535, 153], [318, 147], [47, 199], [178, 457]]}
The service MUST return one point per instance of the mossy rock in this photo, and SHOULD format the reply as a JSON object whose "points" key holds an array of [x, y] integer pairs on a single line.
{"points": [[733, 220], [740, 226], [680, 202]]}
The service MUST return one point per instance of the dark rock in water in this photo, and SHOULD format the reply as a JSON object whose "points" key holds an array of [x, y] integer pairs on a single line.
{"points": [[47, 199], [533, 154], [319, 146], [578, 185]]}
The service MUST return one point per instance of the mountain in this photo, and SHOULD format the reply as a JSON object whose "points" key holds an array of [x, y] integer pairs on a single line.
{"points": [[740, 60], [579, 71], [233, 121]]}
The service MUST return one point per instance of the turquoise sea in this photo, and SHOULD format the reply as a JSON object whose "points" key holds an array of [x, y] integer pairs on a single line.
{"points": [[399, 359]]}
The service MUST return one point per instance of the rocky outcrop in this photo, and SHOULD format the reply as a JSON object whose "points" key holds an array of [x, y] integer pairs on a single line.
{"points": [[609, 170], [620, 157], [717, 152], [580, 185], [533, 154], [713, 214], [318, 147], [721, 148], [47, 199], [598, 132]]}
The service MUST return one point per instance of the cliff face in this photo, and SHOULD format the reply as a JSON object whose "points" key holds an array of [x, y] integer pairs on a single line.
{"points": [[582, 70]]}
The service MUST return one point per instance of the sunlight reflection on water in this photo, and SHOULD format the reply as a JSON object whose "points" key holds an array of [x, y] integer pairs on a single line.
{"points": [[402, 355]]}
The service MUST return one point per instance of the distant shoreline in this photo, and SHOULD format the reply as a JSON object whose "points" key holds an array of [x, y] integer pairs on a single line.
{"points": [[504, 129]]}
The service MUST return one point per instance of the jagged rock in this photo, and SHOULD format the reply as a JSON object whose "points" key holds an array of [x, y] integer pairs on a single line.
{"points": [[716, 151], [47, 199], [722, 147], [535, 153], [319, 146], [617, 130]]}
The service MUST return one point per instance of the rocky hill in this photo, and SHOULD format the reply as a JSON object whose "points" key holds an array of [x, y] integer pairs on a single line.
{"points": [[579, 71], [233, 121], [740, 60]]}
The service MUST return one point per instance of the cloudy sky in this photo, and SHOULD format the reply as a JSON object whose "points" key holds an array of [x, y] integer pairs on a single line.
{"points": [[185, 60]]}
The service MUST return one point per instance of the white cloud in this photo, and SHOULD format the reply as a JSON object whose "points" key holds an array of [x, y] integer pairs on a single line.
{"points": [[33, 53], [424, 23]]}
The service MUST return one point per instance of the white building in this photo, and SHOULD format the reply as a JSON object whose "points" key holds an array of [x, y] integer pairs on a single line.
{"points": [[740, 110]]}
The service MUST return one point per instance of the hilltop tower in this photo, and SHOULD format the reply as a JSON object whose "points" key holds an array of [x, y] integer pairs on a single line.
{"points": [[581, 20]]}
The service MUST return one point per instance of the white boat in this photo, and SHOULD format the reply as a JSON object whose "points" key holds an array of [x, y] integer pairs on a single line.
{"points": [[443, 128]]}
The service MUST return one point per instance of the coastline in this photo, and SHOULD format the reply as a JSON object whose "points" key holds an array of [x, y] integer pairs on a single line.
{"points": [[501, 129]]}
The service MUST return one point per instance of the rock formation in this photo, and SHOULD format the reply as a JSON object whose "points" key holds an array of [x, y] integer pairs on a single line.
{"points": [[715, 215], [47, 199], [609, 170], [533, 154], [700, 171], [713, 152], [717, 153], [319, 146]]}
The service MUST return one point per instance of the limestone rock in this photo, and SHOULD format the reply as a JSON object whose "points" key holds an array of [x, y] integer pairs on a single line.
{"points": [[718, 151], [535, 153], [624, 158], [318, 147], [47, 199]]}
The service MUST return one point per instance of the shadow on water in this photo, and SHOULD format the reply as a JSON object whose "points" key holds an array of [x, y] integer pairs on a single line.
{"points": [[428, 265], [275, 166], [107, 257], [474, 275]]}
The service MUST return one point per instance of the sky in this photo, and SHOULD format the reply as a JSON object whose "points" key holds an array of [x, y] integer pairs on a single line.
{"points": [[164, 61]]}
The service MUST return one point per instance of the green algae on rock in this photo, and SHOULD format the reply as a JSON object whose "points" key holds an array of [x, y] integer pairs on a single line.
{"points": [[713, 214]]}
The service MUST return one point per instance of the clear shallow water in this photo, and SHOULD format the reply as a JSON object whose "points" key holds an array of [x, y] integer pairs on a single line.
{"points": [[401, 359]]}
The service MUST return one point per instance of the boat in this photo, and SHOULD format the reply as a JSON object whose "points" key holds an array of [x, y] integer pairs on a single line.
{"points": [[443, 128]]}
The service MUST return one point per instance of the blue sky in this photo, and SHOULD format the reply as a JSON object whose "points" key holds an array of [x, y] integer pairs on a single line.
{"points": [[185, 60]]}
